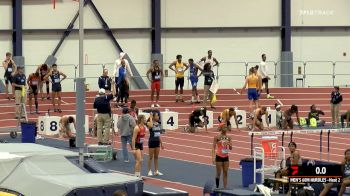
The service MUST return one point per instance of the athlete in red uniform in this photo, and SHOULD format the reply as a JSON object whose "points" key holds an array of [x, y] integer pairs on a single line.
{"points": [[33, 83], [222, 144], [156, 76], [137, 143]]}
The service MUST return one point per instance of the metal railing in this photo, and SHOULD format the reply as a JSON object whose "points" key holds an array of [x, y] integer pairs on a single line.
{"points": [[229, 74]]}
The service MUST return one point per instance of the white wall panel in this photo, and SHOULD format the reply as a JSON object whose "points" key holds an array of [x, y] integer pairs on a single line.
{"points": [[39, 14], [6, 14], [322, 46], [320, 13], [220, 13]]}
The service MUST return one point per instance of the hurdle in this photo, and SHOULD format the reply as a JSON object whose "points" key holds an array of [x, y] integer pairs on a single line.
{"points": [[302, 131]]}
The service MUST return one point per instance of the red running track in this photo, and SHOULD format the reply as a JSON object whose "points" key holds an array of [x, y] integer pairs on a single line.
{"points": [[196, 147]]}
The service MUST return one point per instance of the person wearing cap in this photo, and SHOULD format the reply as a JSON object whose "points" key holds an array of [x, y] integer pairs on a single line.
{"points": [[126, 124], [19, 82], [222, 144], [336, 99], [104, 113], [117, 65]]}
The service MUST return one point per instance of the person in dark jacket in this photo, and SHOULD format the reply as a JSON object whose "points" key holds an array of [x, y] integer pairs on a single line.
{"points": [[126, 124], [336, 99], [105, 81]]}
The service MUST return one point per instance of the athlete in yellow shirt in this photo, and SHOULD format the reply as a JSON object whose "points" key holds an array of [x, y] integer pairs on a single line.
{"points": [[180, 68], [253, 83]]}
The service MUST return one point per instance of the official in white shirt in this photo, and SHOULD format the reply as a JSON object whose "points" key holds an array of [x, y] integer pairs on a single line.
{"points": [[263, 72]]}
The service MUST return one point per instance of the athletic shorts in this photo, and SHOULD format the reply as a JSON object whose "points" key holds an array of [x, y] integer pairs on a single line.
{"points": [[138, 146], [8, 79], [252, 94], [153, 144], [194, 120], [228, 123], [221, 159], [155, 86], [179, 82], [56, 88], [265, 80], [194, 82], [33, 90]]}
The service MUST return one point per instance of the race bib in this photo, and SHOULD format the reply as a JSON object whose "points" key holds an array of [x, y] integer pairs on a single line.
{"points": [[209, 80], [35, 82], [157, 77], [141, 140], [56, 80], [5, 78], [9, 69], [156, 134], [180, 69], [224, 151]]}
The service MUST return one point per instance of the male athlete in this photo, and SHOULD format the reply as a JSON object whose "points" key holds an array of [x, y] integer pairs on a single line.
{"points": [[225, 117], [263, 72], [180, 68], [257, 120], [56, 80], [156, 75], [194, 67], [195, 121], [33, 83], [10, 69], [43, 70], [210, 59]]}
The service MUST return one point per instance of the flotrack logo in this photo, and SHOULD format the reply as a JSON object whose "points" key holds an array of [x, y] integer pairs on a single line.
{"points": [[316, 12]]}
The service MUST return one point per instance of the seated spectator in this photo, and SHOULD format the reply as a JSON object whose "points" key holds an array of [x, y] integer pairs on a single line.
{"points": [[293, 159], [105, 81], [314, 113], [346, 176], [343, 117], [65, 129]]}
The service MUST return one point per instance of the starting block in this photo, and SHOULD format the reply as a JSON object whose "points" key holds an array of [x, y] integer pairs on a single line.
{"points": [[271, 117], [49, 125], [241, 119], [169, 120]]}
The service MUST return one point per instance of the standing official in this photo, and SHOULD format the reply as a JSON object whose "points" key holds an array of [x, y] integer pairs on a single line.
{"points": [[19, 82]]}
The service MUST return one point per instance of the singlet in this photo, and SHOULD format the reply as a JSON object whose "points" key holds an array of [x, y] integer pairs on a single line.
{"points": [[193, 71], [289, 161], [197, 113], [55, 78], [346, 170], [141, 135], [180, 69], [122, 74], [9, 69], [208, 77], [253, 81], [33, 80], [43, 71], [154, 132], [156, 75], [209, 60], [226, 111], [222, 146]]}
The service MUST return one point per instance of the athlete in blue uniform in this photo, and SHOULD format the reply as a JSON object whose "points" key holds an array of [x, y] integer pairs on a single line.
{"points": [[56, 80], [194, 79]]}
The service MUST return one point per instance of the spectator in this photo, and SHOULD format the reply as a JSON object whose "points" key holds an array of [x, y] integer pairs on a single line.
{"points": [[343, 117], [104, 112], [336, 99], [293, 159], [65, 126], [105, 81], [126, 124], [10, 68], [19, 82], [314, 113]]}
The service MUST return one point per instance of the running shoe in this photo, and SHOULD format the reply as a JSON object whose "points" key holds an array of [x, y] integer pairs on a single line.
{"points": [[157, 173], [270, 96], [152, 106], [157, 105], [150, 173], [126, 161]]}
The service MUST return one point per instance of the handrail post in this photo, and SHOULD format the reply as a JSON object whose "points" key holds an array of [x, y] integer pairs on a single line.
{"points": [[246, 69], [321, 144], [75, 74], [251, 144], [275, 76], [329, 132], [304, 75]]}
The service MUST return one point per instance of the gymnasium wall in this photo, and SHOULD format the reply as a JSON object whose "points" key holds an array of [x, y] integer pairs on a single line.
{"points": [[181, 20]]}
